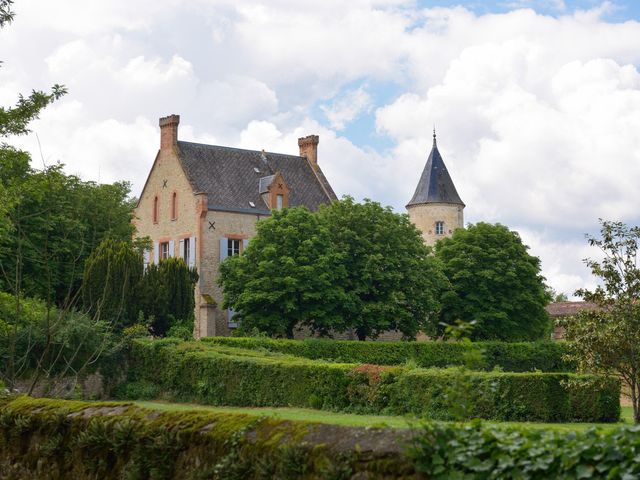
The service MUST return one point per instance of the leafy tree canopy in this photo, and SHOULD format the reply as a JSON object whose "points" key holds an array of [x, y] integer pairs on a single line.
{"points": [[607, 339], [494, 282], [52, 223], [349, 266], [288, 276], [392, 282]]}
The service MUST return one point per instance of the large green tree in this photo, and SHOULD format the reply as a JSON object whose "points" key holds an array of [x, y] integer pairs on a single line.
{"points": [[288, 276], [494, 282], [392, 283], [50, 221], [607, 339], [349, 266], [54, 221]]}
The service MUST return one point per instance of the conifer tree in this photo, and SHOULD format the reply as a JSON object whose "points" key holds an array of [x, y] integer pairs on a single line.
{"points": [[112, 275]]}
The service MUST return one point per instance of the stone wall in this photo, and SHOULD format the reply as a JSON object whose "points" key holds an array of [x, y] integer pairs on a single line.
{"points": [[424, 217], [242, 226]]}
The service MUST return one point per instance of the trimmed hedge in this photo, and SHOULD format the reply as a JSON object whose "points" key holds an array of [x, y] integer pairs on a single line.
{"points": [[206, 373], [57, 439], [511, 357]]}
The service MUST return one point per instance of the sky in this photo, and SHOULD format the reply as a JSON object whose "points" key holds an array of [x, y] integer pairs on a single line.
{"points": [[536, 103]]}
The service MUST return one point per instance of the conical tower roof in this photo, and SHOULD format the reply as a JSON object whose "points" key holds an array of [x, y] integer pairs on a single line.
{"points": [[435, 185]]}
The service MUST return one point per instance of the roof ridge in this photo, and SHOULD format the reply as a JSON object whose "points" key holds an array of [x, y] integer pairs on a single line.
{"points": [[240, 149]]}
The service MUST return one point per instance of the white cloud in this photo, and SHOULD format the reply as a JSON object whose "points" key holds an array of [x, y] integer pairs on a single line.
{"points": [[537, 116], [348, 107]]}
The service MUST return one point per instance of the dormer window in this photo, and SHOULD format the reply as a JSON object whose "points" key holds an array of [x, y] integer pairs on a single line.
{"points": [[439, 228]]}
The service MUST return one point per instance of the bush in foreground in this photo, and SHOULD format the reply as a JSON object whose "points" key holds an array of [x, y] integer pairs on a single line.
{"points": [[478, 451]]}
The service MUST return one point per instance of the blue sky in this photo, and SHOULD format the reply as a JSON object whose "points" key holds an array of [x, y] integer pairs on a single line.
{"points": [[620, 10], [536, 103]]}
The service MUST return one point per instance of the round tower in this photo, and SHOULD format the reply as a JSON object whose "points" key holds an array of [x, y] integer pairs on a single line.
{"points": [[436, 208]]}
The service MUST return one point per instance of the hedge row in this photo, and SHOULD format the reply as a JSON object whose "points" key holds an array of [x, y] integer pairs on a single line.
{"points": [[511, 357], [204, 373], [57, 439]]}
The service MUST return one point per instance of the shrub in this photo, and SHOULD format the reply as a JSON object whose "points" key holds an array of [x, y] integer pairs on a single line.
{"points": [[220, 375], [489, 452], [63, 341], [513, 357]]}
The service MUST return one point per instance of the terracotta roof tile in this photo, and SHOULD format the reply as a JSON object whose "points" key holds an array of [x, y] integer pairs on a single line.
{"points": [[564, 309]]}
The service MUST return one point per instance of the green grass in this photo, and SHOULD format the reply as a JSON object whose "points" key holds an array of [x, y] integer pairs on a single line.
{"points": [[353, 420]]}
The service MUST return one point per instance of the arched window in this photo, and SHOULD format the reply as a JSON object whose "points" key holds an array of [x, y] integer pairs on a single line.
{"points": [[155, 209], [174, 206]]}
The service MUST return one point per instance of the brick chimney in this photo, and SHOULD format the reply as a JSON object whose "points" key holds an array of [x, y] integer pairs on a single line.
{"points": [[169, 131], [309, 148]]}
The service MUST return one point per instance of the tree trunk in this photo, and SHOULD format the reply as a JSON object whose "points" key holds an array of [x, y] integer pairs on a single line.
{"points": [[635, 400], [361, 334]]}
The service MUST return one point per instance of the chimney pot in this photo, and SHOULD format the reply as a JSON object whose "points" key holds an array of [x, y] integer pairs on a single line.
{"points": [[309, 148], [169, 131]]}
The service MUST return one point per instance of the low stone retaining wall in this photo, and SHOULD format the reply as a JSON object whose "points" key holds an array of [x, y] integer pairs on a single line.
{"points": [[57, 439]]}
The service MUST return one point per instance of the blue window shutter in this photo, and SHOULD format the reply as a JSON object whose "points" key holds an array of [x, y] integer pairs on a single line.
{"points": [[223, 248], [230, 321], [156, 252], [245, 242], [172, 249]]}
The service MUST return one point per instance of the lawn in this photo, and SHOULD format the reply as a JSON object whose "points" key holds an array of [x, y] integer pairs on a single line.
{"points": [[354, 420]]}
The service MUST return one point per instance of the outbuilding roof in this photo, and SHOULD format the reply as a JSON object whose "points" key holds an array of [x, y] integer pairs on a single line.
{"points": [[435, 185], [234, 178], [566, 309]]}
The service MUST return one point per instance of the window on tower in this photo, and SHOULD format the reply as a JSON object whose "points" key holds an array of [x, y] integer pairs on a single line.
{"points": [[439, 228]]}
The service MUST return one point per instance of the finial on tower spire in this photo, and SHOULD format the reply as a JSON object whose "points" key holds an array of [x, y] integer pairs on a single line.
{"points": [[434, 134]]}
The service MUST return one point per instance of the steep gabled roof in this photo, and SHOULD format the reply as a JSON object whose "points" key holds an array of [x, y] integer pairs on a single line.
{"points": [[435, 185], [231, 177]]}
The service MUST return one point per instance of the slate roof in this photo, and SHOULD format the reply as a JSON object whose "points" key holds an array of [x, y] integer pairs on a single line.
{"points": [[435, 185], [231, 177]]}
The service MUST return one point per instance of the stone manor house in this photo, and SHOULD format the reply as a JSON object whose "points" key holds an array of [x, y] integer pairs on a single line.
{"points": [[201, 203]]}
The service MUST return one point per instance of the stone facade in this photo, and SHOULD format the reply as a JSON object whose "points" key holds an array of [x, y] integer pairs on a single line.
{"points": [[173, 211], [211, 319], [426, 216]]}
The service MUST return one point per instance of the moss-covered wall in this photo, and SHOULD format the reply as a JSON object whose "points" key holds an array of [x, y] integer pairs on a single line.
{"points": [[58, 439]]}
